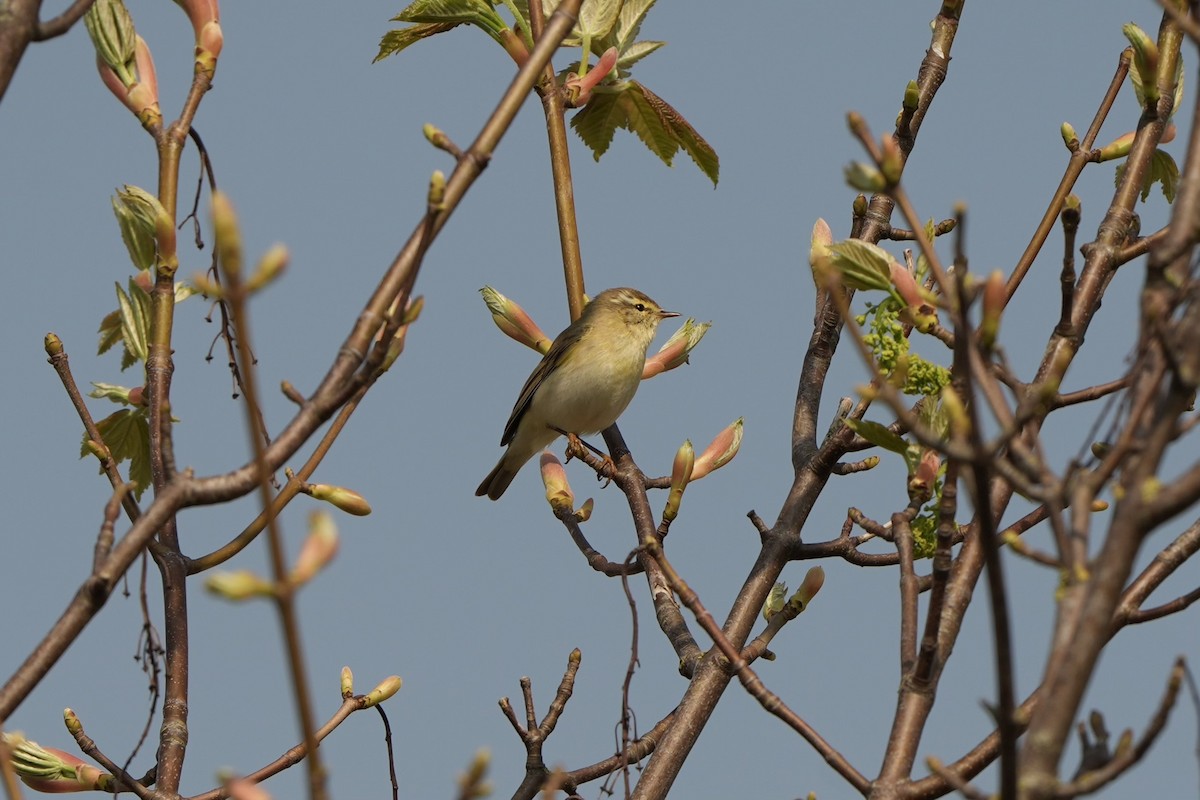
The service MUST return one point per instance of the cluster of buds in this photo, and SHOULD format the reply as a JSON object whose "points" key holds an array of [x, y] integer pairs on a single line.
{"points": [[386, 688], [124, 60], [864, 266], [814, 579], [45, 769]]}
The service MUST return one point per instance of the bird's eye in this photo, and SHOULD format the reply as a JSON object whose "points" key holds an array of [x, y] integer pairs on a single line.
{"points": [[640, 307]]}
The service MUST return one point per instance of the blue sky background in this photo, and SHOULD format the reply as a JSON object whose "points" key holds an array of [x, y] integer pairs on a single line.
{"points": [[322, 150]]}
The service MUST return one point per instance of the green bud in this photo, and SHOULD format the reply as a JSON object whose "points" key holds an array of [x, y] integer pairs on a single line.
{"points": [[776, 599], [864, 177], [270, 267], [388, 687], [138, 213], [239, 585], [1070, 139], [347, 683], [912, 96], [111, 28], [345, 499]]}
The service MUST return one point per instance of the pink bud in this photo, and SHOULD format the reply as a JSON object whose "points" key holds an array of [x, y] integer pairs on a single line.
{"points": [[814, 579], [720, 451], [581, 87], [920, 483], [920, 312], [513, 321], [554, 477], [318, 550], [678, 348]]}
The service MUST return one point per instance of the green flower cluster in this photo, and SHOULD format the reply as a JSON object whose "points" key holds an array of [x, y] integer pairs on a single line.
{"points": [[890, 347]]}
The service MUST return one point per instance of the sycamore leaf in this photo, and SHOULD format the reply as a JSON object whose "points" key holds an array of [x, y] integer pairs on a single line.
{"points": [[126, 434], [636, 52], [476, 12], [635, 108], [1163, 170], [110, 331], [395, 41], [597, 17], [110, 391], [878, 434], [862, 265], [629, 23], [134, 309]]}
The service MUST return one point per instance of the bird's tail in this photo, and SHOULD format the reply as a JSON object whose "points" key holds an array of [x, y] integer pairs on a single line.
{"points": [[497, 480]]}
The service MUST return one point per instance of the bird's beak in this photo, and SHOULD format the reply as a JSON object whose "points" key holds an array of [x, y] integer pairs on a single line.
{"points": [[664, 314]]}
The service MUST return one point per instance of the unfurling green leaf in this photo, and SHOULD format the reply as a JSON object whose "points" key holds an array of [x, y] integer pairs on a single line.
{"points": [[395, 41], [475, 12], [862, 265], [1163, 170], [134, 310], [126, 434], [137, 211], [635, 108], [878, 434]]}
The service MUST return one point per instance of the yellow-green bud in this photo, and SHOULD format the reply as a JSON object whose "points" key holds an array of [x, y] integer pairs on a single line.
{"points": [[347, 683], [53, 344], [776, 599], [270, 267], [228, 236], [681, 474], [864, 177], [388, 687], [437, 189], [345, 499], [239, 585], [1069, 137], [912, 96]]}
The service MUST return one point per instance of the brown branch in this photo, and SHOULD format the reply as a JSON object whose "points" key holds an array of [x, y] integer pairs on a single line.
{"points": [[770, 701], [1126, 756], [532, 734], [49, 29], [338, 385], [1080, 157]]}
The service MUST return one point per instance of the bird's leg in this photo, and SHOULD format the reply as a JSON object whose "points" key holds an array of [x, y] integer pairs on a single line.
{"points": [[605, 467]]}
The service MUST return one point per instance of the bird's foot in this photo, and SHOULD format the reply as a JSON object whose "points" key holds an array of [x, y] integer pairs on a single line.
{"points": [[598, 460]]}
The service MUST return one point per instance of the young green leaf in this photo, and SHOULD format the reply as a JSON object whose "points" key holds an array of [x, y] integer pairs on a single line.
{"points": [[395, 41], [126, 433], [635, 108], [862, 265], [878, 434]]}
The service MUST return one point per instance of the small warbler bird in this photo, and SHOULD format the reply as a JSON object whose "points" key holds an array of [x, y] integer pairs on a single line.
{"points": [[583, 383]]}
